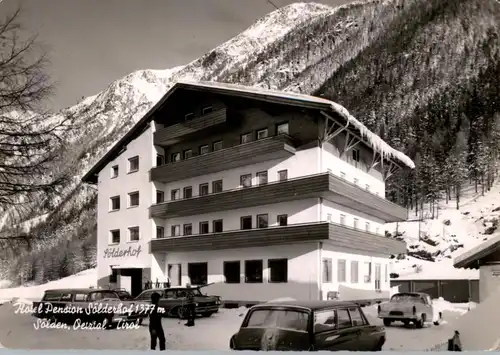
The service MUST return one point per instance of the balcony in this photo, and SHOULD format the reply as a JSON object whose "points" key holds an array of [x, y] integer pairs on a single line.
{"points": [[274, 192], [173, 134], [278, 147], [323, 185], [334, 234]]}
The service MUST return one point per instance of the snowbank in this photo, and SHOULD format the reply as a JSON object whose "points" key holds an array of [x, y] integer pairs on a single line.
{"points": [[87, 278]]}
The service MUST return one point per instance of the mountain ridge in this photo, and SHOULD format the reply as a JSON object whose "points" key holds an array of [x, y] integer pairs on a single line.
{"points": [[356, 55]]}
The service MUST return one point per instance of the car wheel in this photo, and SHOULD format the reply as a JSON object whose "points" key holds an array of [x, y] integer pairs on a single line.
{"points": [[181, 312], [420, 323], [387, 322], [232, 346], [406, 323], [380, 344], [140, 321]]}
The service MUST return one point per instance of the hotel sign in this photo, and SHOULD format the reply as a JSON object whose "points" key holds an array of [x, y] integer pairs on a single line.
{"points": [[112, 253]]}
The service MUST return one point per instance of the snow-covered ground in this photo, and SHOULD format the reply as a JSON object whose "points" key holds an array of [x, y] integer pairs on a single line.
{"points": [[450, 234]]}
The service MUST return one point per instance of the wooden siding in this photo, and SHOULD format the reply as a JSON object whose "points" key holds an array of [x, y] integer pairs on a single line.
{"points": [[355, 197], [172, 134], [229, 158], [337, 235], [357, 239], [243, 238], [276, 192]]}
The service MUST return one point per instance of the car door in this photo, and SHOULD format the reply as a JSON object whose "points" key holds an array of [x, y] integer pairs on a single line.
{"points": [[333, 331], [366, 341]]}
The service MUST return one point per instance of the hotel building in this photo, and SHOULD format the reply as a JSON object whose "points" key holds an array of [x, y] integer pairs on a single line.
{"points": [[261, 194]]}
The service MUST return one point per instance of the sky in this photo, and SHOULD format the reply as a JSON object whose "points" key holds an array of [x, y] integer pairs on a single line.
{"points": [[92, 43]]}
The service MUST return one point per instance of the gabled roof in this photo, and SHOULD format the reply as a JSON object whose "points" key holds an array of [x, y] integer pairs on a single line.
{"points": [[255, 93], [471, 258]]}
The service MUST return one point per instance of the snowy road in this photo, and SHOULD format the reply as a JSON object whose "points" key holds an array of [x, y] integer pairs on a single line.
{"points": [[17, 332]]}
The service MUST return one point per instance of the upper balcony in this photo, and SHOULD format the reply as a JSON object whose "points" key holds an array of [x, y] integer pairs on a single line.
{"points": [[277, 147], [335, 234], [323, 185], [173, 134]]}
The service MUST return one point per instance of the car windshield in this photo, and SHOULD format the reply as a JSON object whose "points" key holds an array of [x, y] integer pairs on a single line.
{"points": [[278, 318], [124, 295], [407, 297]]}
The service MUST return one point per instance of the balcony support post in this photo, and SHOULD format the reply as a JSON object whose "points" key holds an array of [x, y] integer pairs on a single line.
{"points": [[390, 170], [350, 142], [376, 160], [332, 127]]}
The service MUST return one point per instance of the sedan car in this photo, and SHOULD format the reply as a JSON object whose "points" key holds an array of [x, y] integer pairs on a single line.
{"points": [[307, 326], [409, 307], [173, 301]]}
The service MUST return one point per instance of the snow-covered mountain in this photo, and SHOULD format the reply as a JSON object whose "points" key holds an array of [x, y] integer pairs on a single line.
{"points": [[383, 60]]}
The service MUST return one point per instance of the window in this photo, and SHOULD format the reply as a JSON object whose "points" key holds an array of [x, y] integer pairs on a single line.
{"points": [[278, 270], [188, 229], [282, 128], [356, 317], [342, 219], [245, 138], [176, 157], [159, 160], [82, 297], [327, 270], [355, 223], [133, 233], [115, 203], [367, 187], [246, 180], [113, 278], [262, 220], [367, 226], [174, 274], [282, 220], [115, 236], [342, 175], [188, 192], [325, 321], [206, 110], [175, 230], [203, 149], [189, 116], [160, 196], [198, 273], [282, 175], [203, 189], [354, 272], [133, 164], [341, 270], [343, 318], [328, 217], [216, 186], [262, 177], [114, 171], [204, 227], [368, 272], [246, 222], [160, 232], [133, 199], [217, 146], [263, 133], [278, 319], [188, 154], [355, 155], [217, 226], [175, 194], [232, 270], [356, 181], [253, 271]]}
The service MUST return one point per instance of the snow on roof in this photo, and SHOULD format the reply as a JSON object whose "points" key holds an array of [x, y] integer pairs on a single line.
{"points": [[377, 143], [478, 252]]}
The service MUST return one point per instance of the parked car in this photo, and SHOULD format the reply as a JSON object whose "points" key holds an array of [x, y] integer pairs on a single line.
{"points": [[409, 307], [173, 300], [124, 295], [306, 326], [89, 305]]}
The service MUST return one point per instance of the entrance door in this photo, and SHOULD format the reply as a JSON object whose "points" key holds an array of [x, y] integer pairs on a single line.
{"points": [[131, 280], [378, 276]]}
